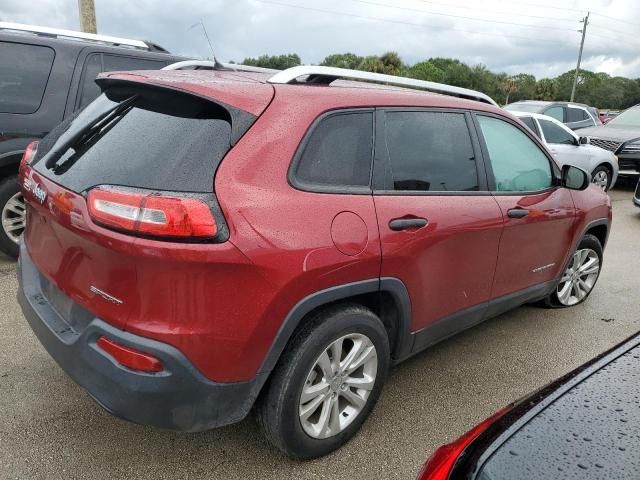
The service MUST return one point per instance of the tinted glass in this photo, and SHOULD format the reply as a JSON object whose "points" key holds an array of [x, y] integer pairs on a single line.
{"points": [[90, 90], [338, 152], [116, 62], [576, 115], [430, 151], [530, 122], [555, 134], [24, 71], [555, 112], [160, 141], [518, 164]]}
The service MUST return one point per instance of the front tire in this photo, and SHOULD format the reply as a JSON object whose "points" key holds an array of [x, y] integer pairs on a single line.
{"points": [[12, 214], [326, 383], [580, 275], [602, 177]]}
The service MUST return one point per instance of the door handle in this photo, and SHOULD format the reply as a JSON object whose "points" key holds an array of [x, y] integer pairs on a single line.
{"points": [[398, 224], [517, 212]]}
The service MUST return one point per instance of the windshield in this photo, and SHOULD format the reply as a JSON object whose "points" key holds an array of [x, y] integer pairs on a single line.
{"points": [[524, 107], [630, 117]]}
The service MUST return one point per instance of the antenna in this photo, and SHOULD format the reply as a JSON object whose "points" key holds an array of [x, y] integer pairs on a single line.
{"points": [[206, 35]]}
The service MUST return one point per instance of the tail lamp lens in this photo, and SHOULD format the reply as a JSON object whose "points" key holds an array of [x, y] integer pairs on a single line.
{"points": [[151, 213], [28, 155], [441, 463], [130, 358]]}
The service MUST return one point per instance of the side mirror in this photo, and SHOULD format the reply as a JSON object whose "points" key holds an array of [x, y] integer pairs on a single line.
{"points": [[574, 178], [584, 141]]}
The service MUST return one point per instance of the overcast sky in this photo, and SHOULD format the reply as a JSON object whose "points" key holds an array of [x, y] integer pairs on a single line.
{"points": [[544, 42]]}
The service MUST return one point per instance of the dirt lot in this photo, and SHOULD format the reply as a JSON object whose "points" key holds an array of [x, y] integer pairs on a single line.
{"points": [[50, 428]]}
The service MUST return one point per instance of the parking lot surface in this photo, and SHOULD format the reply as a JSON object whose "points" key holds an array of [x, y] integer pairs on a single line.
{"points": [[51, 429]]}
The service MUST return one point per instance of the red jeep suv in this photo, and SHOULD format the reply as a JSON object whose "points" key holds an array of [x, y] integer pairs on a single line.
{"points": [[202, 242]]}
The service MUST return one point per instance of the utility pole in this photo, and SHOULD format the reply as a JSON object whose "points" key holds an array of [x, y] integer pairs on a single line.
{"points": [[585, 20], [87, 10]]}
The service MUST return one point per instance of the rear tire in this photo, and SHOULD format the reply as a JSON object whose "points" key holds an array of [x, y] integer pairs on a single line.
{"points": [[10, 215], [579, 276], [293, 389]]}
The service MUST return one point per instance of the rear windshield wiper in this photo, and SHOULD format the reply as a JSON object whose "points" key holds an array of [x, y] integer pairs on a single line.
{"points": [[88, 136]]}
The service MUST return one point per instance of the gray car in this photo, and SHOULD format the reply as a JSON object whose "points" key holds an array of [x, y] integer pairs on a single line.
{"points": [[569, 148], [573, 115], [621, 135]]}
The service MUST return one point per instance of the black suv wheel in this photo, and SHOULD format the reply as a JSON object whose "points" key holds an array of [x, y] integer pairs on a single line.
{"points": [[326, 382], [12, 214]]}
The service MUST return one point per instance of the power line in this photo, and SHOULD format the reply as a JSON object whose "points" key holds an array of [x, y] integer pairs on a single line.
{"points": [[500, 12], [463, 17], [400, 22], [566, 9]]}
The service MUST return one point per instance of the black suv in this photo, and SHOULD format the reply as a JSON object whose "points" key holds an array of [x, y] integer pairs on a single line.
{"points": [[47, 75]]}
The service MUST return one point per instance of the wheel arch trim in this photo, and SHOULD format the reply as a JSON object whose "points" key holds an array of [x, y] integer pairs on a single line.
{"points": [[391, 285]]}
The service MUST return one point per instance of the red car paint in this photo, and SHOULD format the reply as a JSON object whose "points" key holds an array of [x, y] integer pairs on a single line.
{"points": [[222, 304]]}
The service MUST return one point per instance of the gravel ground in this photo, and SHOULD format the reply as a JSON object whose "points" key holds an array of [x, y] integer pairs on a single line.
{"points": [[51, 429]]}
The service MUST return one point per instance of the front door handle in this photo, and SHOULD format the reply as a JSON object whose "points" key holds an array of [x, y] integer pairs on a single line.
{"points": [[398, 224], [517, 212]]}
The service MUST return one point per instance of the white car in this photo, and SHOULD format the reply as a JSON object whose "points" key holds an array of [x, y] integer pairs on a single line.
{"points": [[569, 148]]}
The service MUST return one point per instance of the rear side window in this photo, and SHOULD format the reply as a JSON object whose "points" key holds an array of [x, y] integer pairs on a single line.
{"points": [[90, 89], [555, 112], [24, 73], [429, 151], [576, 115], [556, 134], [154, 140], [531, 123], [518, 164], [338, 152]]}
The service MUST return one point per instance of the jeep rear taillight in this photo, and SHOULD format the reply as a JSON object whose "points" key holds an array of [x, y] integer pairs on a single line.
{"points": [[149, 213], [28, 155]]}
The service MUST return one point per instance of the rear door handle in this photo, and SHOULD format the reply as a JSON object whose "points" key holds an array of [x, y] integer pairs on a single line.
{"points": [[517, 212], [398, 224]]}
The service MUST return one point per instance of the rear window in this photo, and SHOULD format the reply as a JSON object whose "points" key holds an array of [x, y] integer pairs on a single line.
{"points": [[24, 73], [154, 140]]}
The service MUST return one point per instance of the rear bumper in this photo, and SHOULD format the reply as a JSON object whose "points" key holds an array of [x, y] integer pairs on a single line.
{"points": [[178, 398]]}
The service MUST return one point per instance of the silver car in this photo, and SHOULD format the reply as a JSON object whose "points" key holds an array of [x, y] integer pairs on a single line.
{"points": [[569, 148]]}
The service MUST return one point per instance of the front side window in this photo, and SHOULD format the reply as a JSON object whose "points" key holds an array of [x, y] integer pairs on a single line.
{"points": [[429, 151], [518, 164], [23, 76], [338, 152], [555, 133], [555, 112]]}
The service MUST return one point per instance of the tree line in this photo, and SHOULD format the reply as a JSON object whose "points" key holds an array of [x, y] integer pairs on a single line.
{"points": [[597, 89]]}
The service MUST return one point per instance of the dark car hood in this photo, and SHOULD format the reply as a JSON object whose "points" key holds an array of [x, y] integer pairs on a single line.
{"points": [[590, 431], [621, 133]]}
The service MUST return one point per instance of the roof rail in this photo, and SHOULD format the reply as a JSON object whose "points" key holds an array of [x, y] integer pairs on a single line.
{"points": [[236, 67], [326, 75], [57, 32]]}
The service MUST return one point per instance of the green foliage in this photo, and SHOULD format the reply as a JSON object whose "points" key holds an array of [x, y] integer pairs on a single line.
{"points": [[278, 62], [426, 71], [342, 60], [597, 89]]}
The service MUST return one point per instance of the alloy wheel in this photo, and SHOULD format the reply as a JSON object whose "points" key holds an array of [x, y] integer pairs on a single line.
{"points": [[338, 385], [579, 277], [13, 217], [601, 179]]}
